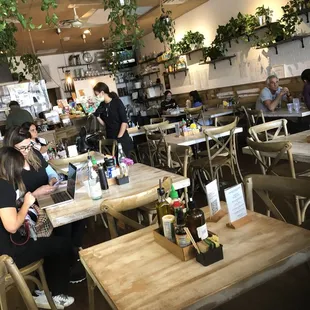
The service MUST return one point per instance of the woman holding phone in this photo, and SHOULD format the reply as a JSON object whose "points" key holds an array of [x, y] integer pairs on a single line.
{"points": [[40, 178], [57, 252]]}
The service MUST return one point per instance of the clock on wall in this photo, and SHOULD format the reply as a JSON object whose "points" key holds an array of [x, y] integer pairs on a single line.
{"points": [[87, 57]]}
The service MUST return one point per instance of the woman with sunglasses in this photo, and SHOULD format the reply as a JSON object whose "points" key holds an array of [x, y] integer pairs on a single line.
{"points": [[39, 143], [57, 252], [39, 177]]}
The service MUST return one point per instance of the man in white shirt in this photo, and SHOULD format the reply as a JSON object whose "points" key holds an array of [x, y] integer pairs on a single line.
{"points": [[271, 96]]}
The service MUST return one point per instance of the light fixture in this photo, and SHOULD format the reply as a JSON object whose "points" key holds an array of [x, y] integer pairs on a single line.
{"points": [[102, 39], [84, 37], [68, 77], [87, 31], [58, 30]]}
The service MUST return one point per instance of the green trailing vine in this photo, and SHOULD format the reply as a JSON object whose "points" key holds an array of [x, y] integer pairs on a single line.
{"points": [[124, 31], [31, 65], [164, 30], [9, 10]]}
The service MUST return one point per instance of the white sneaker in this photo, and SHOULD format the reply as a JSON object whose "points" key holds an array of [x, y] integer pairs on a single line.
{"points": [[61, 301], [42, 302]]}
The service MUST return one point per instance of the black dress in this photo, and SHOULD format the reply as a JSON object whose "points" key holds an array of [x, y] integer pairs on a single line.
{"points": [[114, 114]]}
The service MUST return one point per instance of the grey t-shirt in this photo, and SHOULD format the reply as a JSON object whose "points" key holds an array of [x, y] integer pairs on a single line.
{"points": [[266, 94]]}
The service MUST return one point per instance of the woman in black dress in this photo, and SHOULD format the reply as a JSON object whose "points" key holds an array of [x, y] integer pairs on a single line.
{"points": [[112, 113], [57, 252]]}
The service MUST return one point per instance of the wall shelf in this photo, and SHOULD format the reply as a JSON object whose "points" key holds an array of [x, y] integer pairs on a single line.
{"points": [[229, 58], [265, 26], [147, 60], [155, 98], [150, 73], [295, 38], [81, 65], [174, 72], [193, 51]]}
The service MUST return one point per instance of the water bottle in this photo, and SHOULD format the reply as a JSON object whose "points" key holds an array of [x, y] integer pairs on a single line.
{"points": [[121, 161]]}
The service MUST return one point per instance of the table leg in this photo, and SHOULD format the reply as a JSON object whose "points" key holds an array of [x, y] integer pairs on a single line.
{"points": [[91, 287]]}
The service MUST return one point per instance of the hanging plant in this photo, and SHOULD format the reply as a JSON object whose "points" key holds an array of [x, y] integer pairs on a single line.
{"points": [[124, 31], [290, 19], [31, 66], [163, 29], [10, 11], [182, 47]]}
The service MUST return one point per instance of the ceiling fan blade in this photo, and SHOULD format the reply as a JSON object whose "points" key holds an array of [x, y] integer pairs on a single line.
{"points": [[88, 14], [76, 4]]}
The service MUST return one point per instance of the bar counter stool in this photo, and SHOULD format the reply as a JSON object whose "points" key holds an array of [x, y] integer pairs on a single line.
{"points": [[10, 275]]}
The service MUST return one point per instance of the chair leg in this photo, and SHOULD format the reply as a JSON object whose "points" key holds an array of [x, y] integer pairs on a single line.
{"points": [[112, 226], [304, 210], [103, 220], [45, 288], [91, 288], [150, 218]]}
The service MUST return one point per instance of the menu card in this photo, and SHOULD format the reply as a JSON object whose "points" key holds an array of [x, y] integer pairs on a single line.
{"points": [[213, 197], [235, 203]]}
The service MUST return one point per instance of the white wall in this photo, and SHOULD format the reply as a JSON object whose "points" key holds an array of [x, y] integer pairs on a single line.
{"points": [[250, 65]]}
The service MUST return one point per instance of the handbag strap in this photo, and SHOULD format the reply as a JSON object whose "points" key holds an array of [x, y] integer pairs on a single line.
{"points": [[26, 225]]}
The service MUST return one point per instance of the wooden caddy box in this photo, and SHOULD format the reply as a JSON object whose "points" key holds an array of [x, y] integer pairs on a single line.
{"points": [[183, 254]]}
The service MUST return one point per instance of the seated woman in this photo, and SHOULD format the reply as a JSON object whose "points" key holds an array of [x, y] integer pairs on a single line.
{"points": [[39, 177], [195, 98], [39, 144], [305, 76], [57, 252], [168, 103]]}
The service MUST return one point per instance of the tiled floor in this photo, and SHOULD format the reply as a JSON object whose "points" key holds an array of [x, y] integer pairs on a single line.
{"points": [[291, 291]]}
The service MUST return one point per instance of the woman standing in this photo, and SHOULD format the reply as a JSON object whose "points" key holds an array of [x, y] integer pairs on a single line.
{"points": [[56, 251], [195, 98], [111, 113]]}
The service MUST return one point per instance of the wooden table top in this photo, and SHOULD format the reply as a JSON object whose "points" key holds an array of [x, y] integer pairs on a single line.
{"points": [[134, 272], [300, 147], [194, 139], [217, 112], [283, 112], [142, 177]]}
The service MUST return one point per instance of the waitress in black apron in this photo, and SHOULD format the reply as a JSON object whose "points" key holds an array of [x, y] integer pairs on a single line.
{"points": [[111, 113]]}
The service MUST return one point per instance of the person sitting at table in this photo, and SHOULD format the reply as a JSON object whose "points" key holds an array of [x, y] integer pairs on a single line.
{"points": [[168, 103], [195, 99], [112, 113], [272, 95], [39, 144], [305, 76], [57, 252], [39, 177]]}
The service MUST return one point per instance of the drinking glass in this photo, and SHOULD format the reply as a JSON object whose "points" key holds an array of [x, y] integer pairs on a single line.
{"points": [[290, 107], [296, 106]]}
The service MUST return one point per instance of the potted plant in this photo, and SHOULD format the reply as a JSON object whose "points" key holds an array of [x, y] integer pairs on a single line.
{"points": [[163, 28], [264, 15], [182, 47], [222, 35], [249, 23], [290, 18], [194, 39], [213, 52]]}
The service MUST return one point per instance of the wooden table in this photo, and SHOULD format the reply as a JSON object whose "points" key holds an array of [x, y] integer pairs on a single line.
{"points": [[217, 112], [194, 139], [283, 112], [142, 177], [181, 114], [134, 272], [300, 147]]}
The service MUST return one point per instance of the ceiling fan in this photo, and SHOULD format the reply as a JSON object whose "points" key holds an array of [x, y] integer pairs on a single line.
{"points": [[76, 21]]}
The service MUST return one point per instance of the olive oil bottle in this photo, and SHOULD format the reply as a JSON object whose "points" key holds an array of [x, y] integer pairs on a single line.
{"points": [[162, 207]]}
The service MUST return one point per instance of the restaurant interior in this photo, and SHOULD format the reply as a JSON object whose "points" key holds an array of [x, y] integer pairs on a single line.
{"points": [[154, 154]]}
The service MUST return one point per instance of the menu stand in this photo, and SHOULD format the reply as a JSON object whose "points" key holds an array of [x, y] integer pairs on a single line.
{"points": [[239, 223], [217, 216]]}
